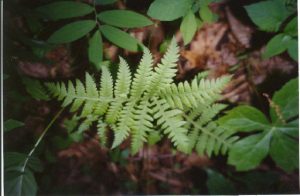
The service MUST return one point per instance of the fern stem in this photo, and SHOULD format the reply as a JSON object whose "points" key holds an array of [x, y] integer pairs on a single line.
{"points": [[40, 139], [204, 131]]}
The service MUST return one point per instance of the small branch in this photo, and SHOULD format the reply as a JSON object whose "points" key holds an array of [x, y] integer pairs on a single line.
{"points": [[39, 140]]}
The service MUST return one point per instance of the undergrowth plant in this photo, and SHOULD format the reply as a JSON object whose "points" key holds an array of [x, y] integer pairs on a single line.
{"points": [[105, 23], [280, 17], [193, 13], [277, 137], [150, 103]]}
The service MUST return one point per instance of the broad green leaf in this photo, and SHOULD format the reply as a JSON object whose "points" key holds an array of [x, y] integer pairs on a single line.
{"points": [[64, 9], [291, 27], [35, 89], [95, 50], [278, 44], [16, 160], [287, 100], [72, 31], [217, 184], [247, 153], [124, 19], [188, 27], [168, 10], [284, 151], [244, 118], [105, 2], [291, 128], [267, 15], [19, 184], [120, 38], [206, 14], [293, 49], [11, 124]]}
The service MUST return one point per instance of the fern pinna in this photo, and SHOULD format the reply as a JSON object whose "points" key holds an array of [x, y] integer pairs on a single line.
{"points": [[149, 103]]}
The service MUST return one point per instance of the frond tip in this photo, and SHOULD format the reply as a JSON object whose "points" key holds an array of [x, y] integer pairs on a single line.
{"points": [[149, 102]]}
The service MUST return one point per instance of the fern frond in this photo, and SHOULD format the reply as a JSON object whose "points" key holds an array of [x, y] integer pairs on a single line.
{"points": [[205, 135], [121, 92], [124, 124], [143, 75], [184, 112], [191, 95], [123, 80], [106, 92], [171, 123], [101, 131], [91, 92], [165, 71], [143, 124]]}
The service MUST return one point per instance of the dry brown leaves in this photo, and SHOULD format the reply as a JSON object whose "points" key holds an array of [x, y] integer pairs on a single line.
{"points": [[217, 48]]}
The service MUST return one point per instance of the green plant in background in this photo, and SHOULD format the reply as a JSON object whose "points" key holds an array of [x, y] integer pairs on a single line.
{"points": [[105, 23], [150, 104], [169, 10], [275, 16], [279, 138], [19, 168]]}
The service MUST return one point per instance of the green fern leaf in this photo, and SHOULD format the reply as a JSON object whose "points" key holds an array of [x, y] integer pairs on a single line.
{"points": [[165, 71]]}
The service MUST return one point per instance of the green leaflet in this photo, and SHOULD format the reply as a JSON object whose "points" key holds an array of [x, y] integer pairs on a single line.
{"points": [[64, 9], [244, 118], [17, 181], [267, 15], [140, 108], [72, 31], [188, 27], [124, 19], [206, 14], [11, 124], [278, 44], [120, 38], [291, 28], [293, 49], [18, 184], [168, 10], [284, 151], [287, 100], [95, 49], [35, 89], [248, 153]]}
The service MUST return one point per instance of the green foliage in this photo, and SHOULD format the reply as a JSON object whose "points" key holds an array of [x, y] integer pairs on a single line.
{"points": [[124, 19], [277, 138], [80, 28], [64, 9], [188, 27], [168, 10], [148, 104], [119, 37], [19, 179], [95, 49], [270, 16], [278, 44], [11, 124], [217, 184], [72, 31], [35, 89]]}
